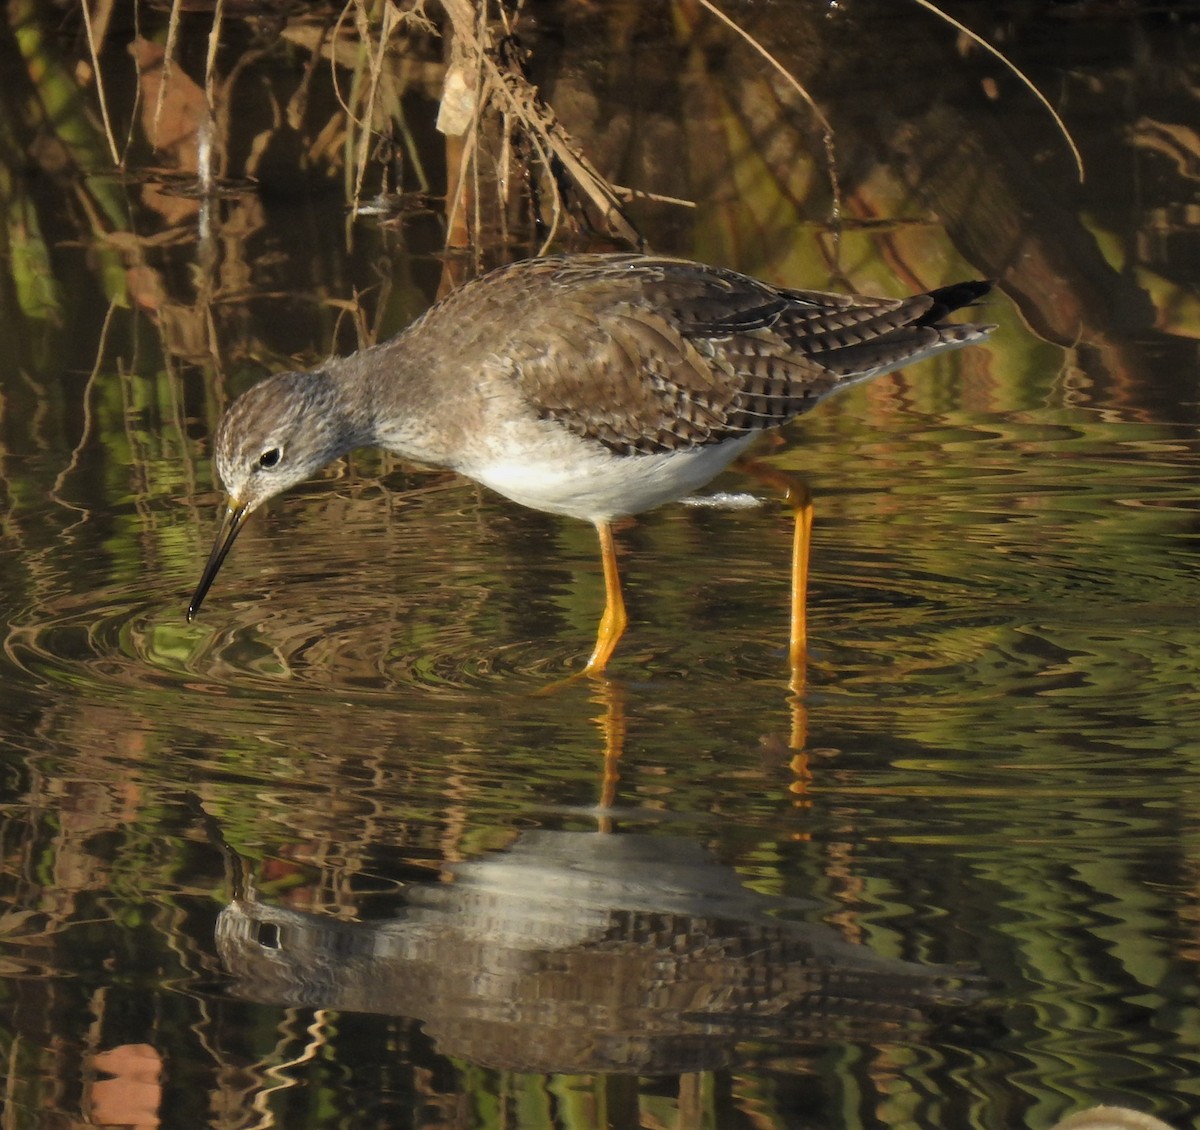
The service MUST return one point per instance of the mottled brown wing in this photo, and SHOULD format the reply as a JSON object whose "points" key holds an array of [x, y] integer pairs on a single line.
{"points": [[650, 356]]}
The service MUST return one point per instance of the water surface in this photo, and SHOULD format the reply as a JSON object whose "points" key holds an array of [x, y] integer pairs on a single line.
{"points": [[331, 855]]}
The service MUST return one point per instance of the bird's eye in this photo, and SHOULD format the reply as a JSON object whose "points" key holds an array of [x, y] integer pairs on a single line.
{"points": [[270, 458]]}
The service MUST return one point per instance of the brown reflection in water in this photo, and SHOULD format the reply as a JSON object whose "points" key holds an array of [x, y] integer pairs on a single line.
{"points": [[131, 1095], [586, 952]]}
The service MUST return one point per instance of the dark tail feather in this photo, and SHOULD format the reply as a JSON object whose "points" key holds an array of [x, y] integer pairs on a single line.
{"points": [[947, 299]]}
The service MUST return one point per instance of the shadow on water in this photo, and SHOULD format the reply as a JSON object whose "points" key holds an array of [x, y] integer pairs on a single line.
{"points": [[326, 856]]}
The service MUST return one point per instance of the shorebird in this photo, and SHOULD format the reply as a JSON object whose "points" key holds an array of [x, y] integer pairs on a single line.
{"points": [[591, 386]]}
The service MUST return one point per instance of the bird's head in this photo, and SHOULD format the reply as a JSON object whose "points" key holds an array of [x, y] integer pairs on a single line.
{"points": [[275, 435]]}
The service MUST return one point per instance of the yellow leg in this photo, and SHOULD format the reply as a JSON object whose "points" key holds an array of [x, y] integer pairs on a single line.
{"points": [[611, 697], [612, 623], [799, 499]]}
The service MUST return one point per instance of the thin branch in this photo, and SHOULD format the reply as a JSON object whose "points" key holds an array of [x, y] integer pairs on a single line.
{"points": [[88, 421], [1025, 81], [167, 62], [204, 148], [93, 50], [794, 83]]}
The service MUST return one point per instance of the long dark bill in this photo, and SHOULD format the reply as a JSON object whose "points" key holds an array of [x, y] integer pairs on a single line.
{"points": [[227, 532]]}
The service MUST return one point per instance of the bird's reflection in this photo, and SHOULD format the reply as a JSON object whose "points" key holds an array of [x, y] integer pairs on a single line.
{"points": [[612, 721], [587, 952]]}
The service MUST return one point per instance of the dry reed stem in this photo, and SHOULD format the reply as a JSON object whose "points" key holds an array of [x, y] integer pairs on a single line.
{"points": [[798, 87], [168, 58], [333, 64], [205, 140], [1025, 81], [480, 42], [374, 68], [88, 421], [459, 11], [541, 124], [94, 51], [520, 101]]}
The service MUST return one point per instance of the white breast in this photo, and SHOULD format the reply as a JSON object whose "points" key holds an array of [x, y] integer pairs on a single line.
{"points": [[583, 480]]}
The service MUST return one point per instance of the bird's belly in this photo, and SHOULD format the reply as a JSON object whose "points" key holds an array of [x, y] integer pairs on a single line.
{"points": [[601, 486]]}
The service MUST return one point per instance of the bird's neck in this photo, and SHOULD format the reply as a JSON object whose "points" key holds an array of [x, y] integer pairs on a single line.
{"points": [[393, 396]]}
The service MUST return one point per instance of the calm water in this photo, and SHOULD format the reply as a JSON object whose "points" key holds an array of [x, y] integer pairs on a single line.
{"points": [[341, 854]]}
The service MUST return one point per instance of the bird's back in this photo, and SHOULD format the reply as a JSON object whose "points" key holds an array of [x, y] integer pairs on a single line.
{"points": [[647, 355]]}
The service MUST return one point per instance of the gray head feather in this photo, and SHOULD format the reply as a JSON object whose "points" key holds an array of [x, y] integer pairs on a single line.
{"points": [[279, 433]]}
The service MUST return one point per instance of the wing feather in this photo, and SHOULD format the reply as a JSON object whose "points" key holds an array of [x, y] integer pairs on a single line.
{"points": [[649, 355]]}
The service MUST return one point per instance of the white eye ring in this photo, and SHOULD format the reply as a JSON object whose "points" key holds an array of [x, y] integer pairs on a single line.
{"points": [[270, 458]]}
